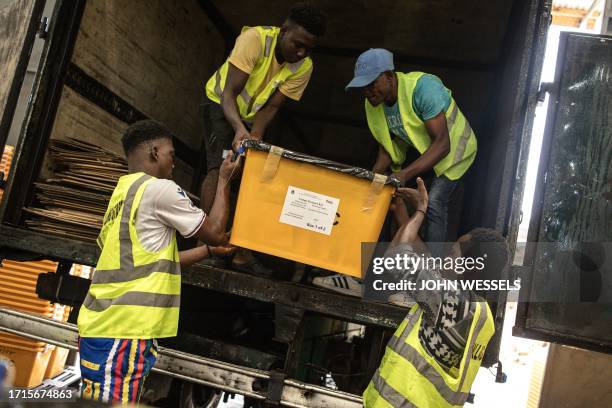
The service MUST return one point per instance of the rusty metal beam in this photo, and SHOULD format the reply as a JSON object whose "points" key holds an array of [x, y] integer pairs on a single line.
{"points": [[309, 298], [257, 384], [290, 294]]}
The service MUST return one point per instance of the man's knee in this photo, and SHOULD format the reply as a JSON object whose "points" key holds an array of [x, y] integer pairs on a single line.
{"points": [[441, 189], [436, 208]]}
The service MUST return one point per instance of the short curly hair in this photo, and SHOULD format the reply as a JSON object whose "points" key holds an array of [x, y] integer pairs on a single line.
{"points": [[311, 18], [143, 131], [492, 245]]}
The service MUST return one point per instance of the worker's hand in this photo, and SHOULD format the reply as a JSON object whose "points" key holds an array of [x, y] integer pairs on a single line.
{"points": [[399, 211], [418, 197], [222, 250], [240, 136], [229, 168]]}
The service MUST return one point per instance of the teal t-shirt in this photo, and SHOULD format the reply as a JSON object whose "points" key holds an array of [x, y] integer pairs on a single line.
{"points": [[430, 97]]}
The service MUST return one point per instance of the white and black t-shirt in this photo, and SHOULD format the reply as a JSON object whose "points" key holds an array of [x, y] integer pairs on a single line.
{"points": [[164, 208]]}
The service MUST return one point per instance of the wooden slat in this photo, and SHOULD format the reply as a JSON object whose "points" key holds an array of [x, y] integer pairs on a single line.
{"points": [[15, 16], [78, 118], [161, 66]]}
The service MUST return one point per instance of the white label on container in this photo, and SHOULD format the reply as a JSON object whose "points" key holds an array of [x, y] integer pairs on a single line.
{"points": [[309, 210]]}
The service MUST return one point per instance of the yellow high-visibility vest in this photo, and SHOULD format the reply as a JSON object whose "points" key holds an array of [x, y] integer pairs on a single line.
{"points": [[409, 376], [134, 293], [463, 143], [248, 104]]}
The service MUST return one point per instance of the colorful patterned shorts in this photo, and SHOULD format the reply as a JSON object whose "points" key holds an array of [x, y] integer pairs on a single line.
{"points": [[114, 370]]}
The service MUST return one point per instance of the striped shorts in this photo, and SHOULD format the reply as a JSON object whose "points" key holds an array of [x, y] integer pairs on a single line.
{"points": [[114, 370]]}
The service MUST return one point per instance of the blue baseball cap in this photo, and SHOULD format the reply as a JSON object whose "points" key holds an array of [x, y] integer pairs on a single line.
{"points": [[369, 66]]}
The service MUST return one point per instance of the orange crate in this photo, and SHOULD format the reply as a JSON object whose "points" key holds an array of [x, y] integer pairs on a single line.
{"points": [[30, 366], [17, 305], [5, 163], [23, 347], [28, 299], [30, 267], [57, 362], [20, 278], [23, 342], [9, 283], [18, 285], [15, 273], [13, 280]]}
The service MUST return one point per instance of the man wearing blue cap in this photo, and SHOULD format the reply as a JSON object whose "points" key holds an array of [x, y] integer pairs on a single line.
{"points": [[415, 110]]}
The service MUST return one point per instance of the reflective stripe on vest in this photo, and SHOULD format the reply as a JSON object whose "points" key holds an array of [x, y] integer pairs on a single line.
{"points": [[137, 272], [122, 286], [133, 299], [249, 103], [463, 144], [400, 345], [268, 45]]}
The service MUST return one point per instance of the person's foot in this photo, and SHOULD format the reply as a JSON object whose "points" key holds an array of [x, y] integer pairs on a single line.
{"points": [[340, 283], [401, 299]]}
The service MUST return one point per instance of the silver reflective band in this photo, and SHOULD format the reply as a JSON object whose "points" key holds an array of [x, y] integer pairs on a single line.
{"points": [[482, 319], [413, 319], [126, 257], [218, 90], [411, 355], [132, 299], [268, 45], [453, 115], [390, 394], [465, 135], [127, 272], [138, 272], [245, 96]]}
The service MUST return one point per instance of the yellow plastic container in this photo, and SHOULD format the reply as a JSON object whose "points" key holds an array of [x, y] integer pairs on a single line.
{"points": [[18, 291], [30, 365], [5, 164], [57, 362], [361, 208]]}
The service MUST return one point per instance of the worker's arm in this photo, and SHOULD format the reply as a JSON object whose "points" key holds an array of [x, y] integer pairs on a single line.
{"points": [[440, 146], [407, 241], [193, 255], [447, 313], [266, 114], [383, 161], [234, 84], [433, 303], [213, 229], [409, 225]]}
